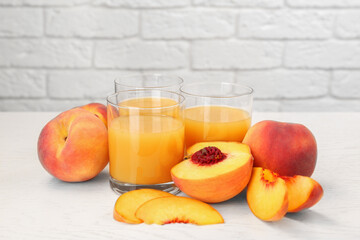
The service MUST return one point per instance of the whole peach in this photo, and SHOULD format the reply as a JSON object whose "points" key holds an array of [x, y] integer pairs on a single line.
{"points": [[73, 146], [285, 148], [98, 109]]}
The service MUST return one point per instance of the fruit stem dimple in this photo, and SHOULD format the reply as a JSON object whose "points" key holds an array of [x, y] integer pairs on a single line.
{"points": [[208, 156]]}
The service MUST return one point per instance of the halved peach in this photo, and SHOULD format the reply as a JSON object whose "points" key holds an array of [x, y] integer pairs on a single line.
{"points": [[267, 195], [303, 192], [174, 209], [127, 204], [214, 171]]}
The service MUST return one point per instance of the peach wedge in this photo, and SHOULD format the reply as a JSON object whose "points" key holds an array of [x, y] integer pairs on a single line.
{"points": [[127, 204], [167, 210], [215, 171], [267, 195], [303, 192]]}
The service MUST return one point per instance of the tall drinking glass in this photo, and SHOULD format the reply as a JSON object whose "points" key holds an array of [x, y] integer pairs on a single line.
{"points": [[216, 112], [149, 81], [146, 138]]}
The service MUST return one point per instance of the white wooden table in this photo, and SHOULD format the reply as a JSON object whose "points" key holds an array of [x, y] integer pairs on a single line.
{"points": [[34, 205]]}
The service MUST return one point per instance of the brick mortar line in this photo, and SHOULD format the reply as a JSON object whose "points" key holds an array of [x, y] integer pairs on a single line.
{"points": [[47, 85], [80, 70], [198, 7], [140, 30], [190, 6], [190, 55], [283, 53], [176, 69], [348, 99], [331, 81], [285, 5], [134, 37], [44, 23]]}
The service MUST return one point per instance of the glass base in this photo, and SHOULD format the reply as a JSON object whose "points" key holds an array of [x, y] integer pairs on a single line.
{"points": [[121, 187]]}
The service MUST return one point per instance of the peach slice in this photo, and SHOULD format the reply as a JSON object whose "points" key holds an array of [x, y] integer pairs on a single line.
{"points": [[127, 204], [214, 171], [303, 192], [267, 195], [174, 209]]}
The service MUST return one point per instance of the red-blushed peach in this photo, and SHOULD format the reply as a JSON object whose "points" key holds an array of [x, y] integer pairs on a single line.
{"points": [[98, 109], [112, 113], [166, 210], [215, 171], [127, 204], [73, 146], [286, 148], [267, 195], [303, 192]]}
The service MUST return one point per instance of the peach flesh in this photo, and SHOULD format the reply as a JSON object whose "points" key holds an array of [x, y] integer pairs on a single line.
{"points": [[267, 195], [127, 204], [268, 176], [303, 192], [165, 210], [217, 182]]}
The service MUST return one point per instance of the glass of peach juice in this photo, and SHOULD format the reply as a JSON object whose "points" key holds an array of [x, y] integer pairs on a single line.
{"points": [[146, 138], [216, 112], [149, 81]]}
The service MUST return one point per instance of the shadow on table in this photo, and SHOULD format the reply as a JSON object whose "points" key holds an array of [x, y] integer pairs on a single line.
{"points": [[305, 219], [102, 179], [309, 216]]}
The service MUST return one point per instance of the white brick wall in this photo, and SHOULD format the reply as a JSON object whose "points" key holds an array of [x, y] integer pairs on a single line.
{"points": [[186, 24], [323, 3], [91, 22], [15, 22], [40, 53], [324, 54], [235, 54], [137, 54], [285, 24], [298, 55]]}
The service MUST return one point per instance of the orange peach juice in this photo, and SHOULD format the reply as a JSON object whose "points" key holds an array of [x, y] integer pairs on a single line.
{"points": [[148, 102], [215, 123], [144, 144], [149, 106]]}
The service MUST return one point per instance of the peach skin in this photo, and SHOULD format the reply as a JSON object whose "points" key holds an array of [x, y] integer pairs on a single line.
{"points": [[73, 146], [303, 192], [286, 148], [98, 109]]}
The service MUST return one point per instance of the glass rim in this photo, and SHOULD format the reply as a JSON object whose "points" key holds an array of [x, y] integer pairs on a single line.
{"points": [[178, 103], [249, 92], [180, 80]]}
